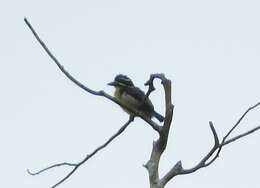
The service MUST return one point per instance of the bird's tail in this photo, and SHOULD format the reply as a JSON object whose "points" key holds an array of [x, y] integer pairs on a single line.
{"points": [[158, 116]]}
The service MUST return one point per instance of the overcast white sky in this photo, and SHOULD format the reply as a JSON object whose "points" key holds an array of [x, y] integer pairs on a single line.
{"points": [[209, 49]]}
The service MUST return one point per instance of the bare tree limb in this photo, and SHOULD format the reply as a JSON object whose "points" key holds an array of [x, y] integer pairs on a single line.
{"points": [[177, 169], [77, 165], [159, 145], [50, 167], [240, 136], [101, 93], [230, 131], [241, 118]]}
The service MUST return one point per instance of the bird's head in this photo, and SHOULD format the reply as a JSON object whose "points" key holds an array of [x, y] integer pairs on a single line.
{"points": [[121, 81]]}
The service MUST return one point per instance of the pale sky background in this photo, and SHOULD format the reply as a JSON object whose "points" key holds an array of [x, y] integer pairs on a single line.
{"points": [[209, 49]]}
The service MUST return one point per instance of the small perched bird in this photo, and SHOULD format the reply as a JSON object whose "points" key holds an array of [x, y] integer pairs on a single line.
{"points": [[133, 97]]}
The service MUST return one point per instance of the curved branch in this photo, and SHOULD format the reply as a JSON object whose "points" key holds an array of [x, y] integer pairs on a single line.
{"points": [[50, 167], [101, 93], [77, 165], [57, 62]]}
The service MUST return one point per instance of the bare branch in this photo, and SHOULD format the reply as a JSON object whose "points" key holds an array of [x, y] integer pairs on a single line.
{"points": [[151, 86], [159, 145], [179, 170], [77, 165], [240, 136], [230, 131], [241, 118], [50, 167], [101, 93]]}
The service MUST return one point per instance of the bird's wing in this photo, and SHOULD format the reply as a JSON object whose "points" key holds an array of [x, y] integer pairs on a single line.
{"points": [[138, 97], [135, 92]]}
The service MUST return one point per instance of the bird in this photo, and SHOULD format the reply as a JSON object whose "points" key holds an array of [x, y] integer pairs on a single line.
{"points": [[133, 97]]}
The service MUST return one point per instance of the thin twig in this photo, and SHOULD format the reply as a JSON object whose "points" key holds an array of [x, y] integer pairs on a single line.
{"points": [[240, 136], [241, 118], [58, 63], [50, 167], [77, 165]]}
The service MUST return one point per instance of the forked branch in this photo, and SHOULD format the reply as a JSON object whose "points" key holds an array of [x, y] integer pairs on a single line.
{"points": [[213, 154]]}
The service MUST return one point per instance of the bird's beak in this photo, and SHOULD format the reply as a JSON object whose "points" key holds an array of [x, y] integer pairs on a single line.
{"points": [[111, 83]]}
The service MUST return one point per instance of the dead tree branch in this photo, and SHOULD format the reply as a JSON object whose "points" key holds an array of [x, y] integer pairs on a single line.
{"points": [[241, 135], [177, 169], [159, 145], [77, 165]]}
